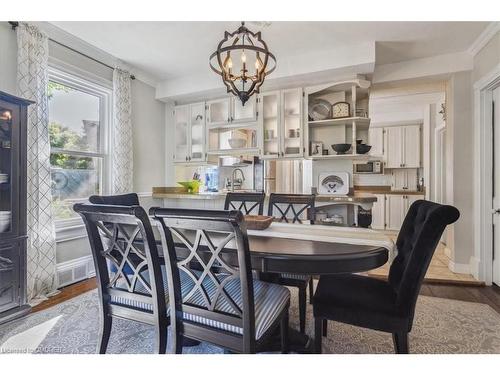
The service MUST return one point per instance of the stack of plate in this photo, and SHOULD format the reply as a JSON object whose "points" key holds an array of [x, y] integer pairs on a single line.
{"points": [[5, 217]]}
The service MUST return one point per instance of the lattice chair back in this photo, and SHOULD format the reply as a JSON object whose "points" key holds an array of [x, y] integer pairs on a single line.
{"points": [[247, 203], [221, 290], [294, 208], [126, 260]]}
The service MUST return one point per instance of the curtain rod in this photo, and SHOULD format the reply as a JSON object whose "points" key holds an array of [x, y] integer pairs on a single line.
{"points": [[15, 24]]}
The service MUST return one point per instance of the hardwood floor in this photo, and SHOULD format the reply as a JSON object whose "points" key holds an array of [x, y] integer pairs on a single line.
{"points": [[67, 293], [489, 295]]}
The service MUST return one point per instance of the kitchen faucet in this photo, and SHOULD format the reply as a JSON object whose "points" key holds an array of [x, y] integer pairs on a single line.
{"points": [[233, 178]]}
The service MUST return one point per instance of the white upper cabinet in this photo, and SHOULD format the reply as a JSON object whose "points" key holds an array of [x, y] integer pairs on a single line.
{"points": [[402, 146], [181, 118], [189, 133], [393, 147], [218, 111], [244, 113], [281, 123], [404, 179], [376, 140], [411, 142], [230, 110], [197, 132]]}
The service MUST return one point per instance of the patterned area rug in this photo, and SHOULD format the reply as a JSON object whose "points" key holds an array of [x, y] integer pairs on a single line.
{"points": [[441, 326]]}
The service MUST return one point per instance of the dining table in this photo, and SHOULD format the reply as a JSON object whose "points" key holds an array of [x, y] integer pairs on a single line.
{"points": [[316, 250]]}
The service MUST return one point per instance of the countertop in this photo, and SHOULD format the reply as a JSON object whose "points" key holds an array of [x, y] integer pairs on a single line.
{"points": [[176, 193], [385, 190]]}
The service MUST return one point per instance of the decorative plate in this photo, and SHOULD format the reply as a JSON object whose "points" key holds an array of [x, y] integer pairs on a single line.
{"points": [[319, 109]]}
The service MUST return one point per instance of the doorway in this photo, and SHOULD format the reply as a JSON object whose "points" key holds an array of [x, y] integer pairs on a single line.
{"points": [[496, 184]]}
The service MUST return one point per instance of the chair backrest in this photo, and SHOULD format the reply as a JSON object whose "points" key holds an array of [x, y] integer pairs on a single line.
{"points": [[218, 242], [122, 236], [245, 202], [293, 205], [417, 240], [130, 199]]}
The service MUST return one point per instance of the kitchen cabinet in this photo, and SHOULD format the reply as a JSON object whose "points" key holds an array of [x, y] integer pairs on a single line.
{"points": [[376, 140], [404, 179], [190, 133], [394, 211], [281, 124], [402, 146], [378, 212], [231, 111], [396, 207]]}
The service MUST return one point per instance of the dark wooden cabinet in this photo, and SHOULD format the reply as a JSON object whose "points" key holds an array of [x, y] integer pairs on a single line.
{"points": [[13, 231]]}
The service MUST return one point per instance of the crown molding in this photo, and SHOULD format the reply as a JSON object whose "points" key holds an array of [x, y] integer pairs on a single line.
{"points": [[484, 38], [78, 44]]}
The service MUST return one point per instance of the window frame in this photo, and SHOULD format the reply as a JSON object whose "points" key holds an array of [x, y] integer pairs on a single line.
{"points": [[87, 85]]}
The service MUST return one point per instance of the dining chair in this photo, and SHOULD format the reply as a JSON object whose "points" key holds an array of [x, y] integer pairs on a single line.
{"points": [[381, 305], [221, 303], [247, 203], [130, 199], [133, 288], [293, 208]]}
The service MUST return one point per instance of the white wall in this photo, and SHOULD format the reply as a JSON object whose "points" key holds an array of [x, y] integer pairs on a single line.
{"points": [[148, 119]]}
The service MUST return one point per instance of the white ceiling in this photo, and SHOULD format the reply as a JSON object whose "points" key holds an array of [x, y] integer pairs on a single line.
{"points": [[170, 50]]}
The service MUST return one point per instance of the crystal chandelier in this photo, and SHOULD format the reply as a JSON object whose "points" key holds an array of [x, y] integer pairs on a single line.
{"points": [[243, 60]]}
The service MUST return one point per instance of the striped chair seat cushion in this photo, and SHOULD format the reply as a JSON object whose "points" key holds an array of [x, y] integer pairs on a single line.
{"points": [[294, 276], [269, 301]]}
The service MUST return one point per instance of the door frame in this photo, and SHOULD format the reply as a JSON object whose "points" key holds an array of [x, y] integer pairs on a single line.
{"points": [[482, 261]]}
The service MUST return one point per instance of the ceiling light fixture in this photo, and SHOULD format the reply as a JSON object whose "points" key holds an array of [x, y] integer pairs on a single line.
{"points": [[237, 54]]}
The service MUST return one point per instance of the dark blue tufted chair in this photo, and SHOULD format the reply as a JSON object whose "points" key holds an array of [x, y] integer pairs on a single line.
{"points": [[389, 305]]}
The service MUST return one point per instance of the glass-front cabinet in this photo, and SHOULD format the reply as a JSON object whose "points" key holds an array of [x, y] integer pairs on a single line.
{"points": [[231, 111], [190, 133], [13, 231], [8, 120], [281, 123]]}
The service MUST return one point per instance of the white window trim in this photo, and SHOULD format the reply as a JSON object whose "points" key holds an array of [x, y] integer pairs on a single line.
{"points": [[74, 228]]}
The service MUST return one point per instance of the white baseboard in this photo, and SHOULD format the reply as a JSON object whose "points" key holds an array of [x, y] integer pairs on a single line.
{"points": [[459, 267], [474, 267], [75, 270]]}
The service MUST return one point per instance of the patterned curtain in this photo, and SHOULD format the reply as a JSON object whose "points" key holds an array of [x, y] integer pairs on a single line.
{"points": [[122, 133], [32, 79]]}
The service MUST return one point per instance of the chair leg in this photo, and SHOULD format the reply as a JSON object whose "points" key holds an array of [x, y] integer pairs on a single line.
{"points": [[177, 338], [161, 339], [318, 326], [302, 309], [400, 340], [104, 333], [311, 290], [284, 333], [325, 327]]}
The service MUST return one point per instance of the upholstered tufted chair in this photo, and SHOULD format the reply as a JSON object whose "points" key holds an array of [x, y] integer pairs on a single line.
{"points": [[389, 305]]}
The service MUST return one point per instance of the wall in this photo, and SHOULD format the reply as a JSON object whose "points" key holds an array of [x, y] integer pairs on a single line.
{"points": [[148, 120], [459, 179], [487, 58]]}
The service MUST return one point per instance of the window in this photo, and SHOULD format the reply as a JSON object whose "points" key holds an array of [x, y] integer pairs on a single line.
{"points": [[78, 114]]}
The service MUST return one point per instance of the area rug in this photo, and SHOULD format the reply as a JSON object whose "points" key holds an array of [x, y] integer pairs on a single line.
{"points": [[441, 326]]}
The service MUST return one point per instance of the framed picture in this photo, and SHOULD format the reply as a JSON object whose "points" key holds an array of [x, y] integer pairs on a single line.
{"points": [[316, 148]]}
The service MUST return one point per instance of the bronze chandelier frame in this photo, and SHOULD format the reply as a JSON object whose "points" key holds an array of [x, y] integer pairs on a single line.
{"points": [[228, 78]]}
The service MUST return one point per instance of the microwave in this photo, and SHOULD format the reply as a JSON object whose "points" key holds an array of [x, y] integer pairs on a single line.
{"points": [[371, 167]]}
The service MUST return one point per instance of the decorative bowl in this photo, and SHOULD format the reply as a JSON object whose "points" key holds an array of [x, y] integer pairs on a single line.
{"points": [[362, 148], [192, 186], [258, 222], [341, 148], [237, 142]]}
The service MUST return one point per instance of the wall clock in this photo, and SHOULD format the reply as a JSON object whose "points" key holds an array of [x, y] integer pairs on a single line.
{"points": [[341, 109]]}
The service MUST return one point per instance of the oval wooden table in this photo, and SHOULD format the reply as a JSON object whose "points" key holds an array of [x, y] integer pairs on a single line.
{"points": [[310, 257]]}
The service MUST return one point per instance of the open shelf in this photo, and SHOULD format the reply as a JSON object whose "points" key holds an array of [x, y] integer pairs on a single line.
{"points": [[235, 151], [232, 126], [361, 122], [360, 157]]}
